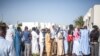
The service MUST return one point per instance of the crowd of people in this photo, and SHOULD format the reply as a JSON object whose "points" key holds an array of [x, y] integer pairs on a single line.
{"points": [[53, 41]]}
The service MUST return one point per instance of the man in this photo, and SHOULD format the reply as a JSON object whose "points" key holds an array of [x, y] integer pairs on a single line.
{"points": [[60, 45], [27, 41], [48, 43], [53, 38], [17, 41], [6, 47], [94, 36], [41, 41], [35, 47], [85, 46], [70, 39], [65, 31], [76, 42]]}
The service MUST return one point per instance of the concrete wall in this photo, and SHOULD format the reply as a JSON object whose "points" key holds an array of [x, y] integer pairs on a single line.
{"points": [[97, 15], [88, 18], [92, 17]]}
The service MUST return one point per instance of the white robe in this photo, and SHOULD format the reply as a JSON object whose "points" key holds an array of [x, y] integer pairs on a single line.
{"points": [[35, 47], [85, 42], [76, 44], [10, 34], [65, 42], [6, 48], [76, 47], [41, 43]]}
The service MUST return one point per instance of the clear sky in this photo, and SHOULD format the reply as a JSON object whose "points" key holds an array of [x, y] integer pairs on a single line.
{"points": [[57, 11]]}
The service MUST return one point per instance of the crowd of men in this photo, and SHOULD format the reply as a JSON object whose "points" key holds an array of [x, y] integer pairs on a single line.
{"points": [[53, 41]]}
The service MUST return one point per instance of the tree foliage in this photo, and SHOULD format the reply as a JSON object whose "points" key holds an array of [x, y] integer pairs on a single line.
{"points": [[79, 21]]}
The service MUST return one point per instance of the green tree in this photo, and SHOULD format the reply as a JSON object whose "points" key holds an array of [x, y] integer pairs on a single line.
{"points": [[79, 21]]}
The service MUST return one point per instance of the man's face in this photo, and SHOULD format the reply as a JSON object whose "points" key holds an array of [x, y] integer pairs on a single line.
{"points": [[3, 32]]}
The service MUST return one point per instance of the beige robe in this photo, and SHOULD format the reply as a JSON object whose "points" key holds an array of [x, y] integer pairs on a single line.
{"points": [[48, 44], [60, 45]]}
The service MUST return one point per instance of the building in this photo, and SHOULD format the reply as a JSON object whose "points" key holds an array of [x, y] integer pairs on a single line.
{"points": [[36, 24], [92, 17]]}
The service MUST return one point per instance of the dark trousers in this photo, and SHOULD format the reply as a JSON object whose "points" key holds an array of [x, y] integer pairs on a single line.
{"points": [[70, 47], [94, 49]]}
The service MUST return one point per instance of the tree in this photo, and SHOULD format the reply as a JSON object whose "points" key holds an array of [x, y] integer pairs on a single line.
{"points": [[79, 21]]}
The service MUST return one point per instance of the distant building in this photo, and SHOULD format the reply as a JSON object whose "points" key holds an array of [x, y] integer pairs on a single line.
{"points": [[28, 24], [36, 24], [92, 17]]}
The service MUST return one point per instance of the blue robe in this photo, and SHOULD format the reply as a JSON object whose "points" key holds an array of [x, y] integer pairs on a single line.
{"points": [[85, 41], [17, 43]]}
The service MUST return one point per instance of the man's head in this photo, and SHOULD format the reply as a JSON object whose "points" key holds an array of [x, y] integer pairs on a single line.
{"points": [[34, 29], [95, 27], [71, 27], [3, 28], [26, 28], [19, 29], [48, 30], [85, 27]]}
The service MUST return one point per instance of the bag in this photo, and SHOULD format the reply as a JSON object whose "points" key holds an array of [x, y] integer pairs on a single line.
{"points": [[69, 38]]}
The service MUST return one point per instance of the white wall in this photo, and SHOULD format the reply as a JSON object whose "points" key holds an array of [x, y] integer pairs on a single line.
{"points": [[28, 24], [87, 21], [97, 15], [94, 14]]}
